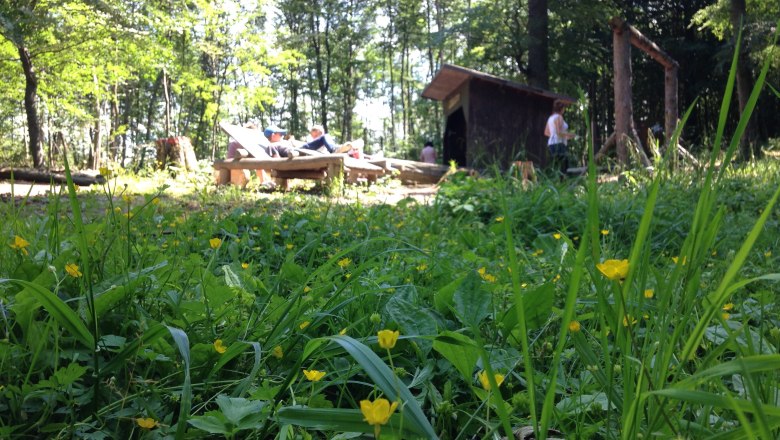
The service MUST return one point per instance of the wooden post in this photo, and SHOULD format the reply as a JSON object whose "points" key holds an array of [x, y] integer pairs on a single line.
{"points": [[623, 110], [670, 103]]}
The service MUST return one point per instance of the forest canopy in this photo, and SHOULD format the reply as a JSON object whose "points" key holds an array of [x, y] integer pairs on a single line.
{"points": [[115, 76]]}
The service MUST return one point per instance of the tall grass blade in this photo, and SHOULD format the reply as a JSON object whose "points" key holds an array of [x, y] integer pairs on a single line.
{"points": [[58, 310], [185, 405], [721, 294], [386, 381]]}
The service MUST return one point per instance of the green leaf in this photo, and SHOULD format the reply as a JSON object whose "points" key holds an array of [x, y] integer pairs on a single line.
{"points": [[460, 350], [442, 299], [131, 349], [243, 413], [58, 310], [213, 422], [470, 302], [413, 319], [537, 305], [231, 279]]}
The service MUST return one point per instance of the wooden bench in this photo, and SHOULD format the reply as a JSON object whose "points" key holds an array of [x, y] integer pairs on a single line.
{"points": [[328, 167]]}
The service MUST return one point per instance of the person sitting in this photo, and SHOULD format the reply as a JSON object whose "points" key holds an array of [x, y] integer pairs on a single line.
{"points": [[278, 145], [320, 139]]}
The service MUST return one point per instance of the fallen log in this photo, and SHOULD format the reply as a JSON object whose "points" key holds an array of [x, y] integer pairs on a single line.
{"points": [[37, 176]]}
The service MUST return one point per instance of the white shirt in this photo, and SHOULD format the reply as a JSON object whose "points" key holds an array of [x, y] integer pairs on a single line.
{"points": [[555, 138]]}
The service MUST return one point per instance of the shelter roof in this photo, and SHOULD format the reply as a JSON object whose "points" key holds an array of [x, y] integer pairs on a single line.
{"points": [[450, 78]]}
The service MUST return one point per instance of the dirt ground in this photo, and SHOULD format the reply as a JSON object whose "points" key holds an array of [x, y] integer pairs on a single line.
{"points": [[389, 195]]}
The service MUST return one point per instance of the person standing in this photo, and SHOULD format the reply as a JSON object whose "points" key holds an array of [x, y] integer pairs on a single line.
{"points": [[320, 139], [557, 131], [428, 153]]}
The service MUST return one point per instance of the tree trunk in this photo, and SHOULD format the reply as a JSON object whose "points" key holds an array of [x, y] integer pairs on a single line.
{"points": [[749, 148], [31, 107], [538, 29]]}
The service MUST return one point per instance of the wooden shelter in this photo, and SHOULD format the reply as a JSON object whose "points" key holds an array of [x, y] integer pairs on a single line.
{"points": [[490, 120]]}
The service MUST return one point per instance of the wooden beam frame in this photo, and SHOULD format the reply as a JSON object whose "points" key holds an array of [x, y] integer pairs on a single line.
{"points": [[623, 34]]}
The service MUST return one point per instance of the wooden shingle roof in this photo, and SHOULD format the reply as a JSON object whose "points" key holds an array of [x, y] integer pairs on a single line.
{"points": [[450, 78]]}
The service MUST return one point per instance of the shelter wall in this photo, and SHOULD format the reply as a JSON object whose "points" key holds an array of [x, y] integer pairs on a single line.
{"points": [[505, 125]]}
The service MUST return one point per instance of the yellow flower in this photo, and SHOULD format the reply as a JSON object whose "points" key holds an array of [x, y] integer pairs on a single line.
{"points": [[306, 289], [336, 234], [727, 307], [219, 347], [726, 316], [377, 413], [614, 269], [304, 324], [768, 254], [146, 422], [574, 326], [557, 236], [422, 267], [649, 293], [73, 270], [483, 379], [314, 375], [499, 219], [387, 338], [344, 262], [289, 246], [20, 244], [214, 243], [629, 320], [245, 265], [343, 331], [684, 260], [277, 352], [605, 232], [105, 172], [557, 278]]}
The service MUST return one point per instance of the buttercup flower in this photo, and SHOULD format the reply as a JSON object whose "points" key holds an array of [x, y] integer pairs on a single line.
{"points": [[499, 219], [314, 375], [245, 265], [73, 270], [344, 262], [557, 236], [574, 326], [219, 347], [483, 379], [605, 232], [214, 243], [277, 352], [614, 269], [629, 320], [377, 413], [388, 338], [304, 324], [146, 422], [649, 293], [20, 244]]}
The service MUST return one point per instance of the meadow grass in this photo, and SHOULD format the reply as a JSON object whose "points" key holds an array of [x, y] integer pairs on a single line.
{"points": [[638, 308], [194, 321]]}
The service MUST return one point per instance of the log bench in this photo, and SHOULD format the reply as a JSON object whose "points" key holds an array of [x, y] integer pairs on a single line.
{"points": [[328, 167]]}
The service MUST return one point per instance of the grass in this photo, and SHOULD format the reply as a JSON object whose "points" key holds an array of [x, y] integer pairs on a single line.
{"points": [[152, 314], [487, 277]]}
